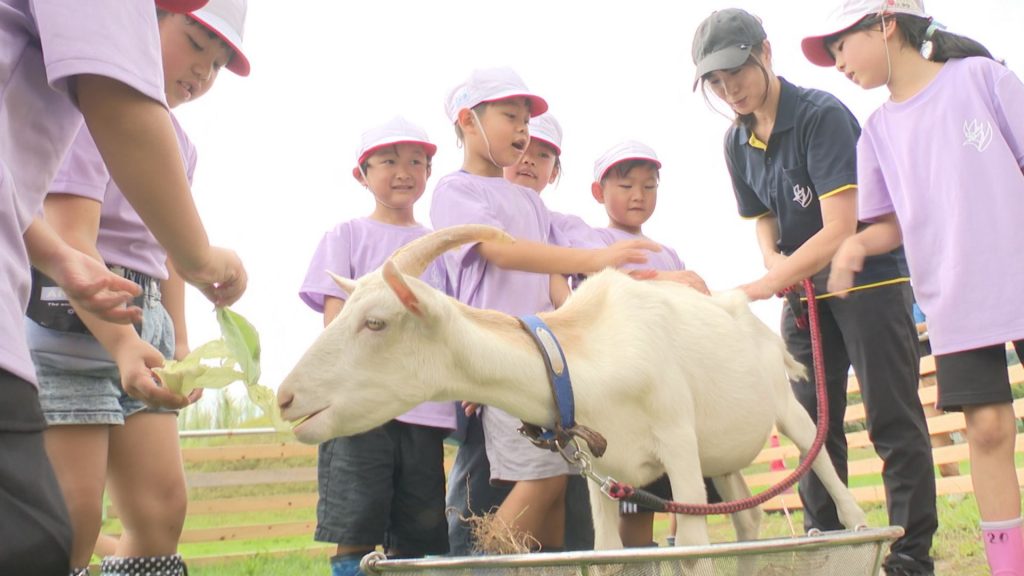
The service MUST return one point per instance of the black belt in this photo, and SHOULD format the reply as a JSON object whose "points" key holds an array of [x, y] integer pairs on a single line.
{"points": [[48, 306]]}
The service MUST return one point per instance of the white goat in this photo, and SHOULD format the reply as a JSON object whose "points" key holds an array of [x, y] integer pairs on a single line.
{"points": [[676, 381]]}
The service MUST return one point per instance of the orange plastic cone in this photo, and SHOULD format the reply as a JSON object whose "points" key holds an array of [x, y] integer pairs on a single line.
{"points": [[779, 464]]}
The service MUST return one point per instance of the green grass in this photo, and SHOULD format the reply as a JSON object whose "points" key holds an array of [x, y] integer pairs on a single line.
{"points": [[957, 548], [260, 564]]}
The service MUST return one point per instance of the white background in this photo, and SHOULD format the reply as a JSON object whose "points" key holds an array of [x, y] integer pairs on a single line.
{"points": [[276, 149]]}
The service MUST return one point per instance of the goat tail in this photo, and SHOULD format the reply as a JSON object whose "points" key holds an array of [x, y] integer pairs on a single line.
{"points": [[794, 369]]}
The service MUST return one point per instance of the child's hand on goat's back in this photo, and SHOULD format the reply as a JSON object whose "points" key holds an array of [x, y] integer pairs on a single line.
{"points": [[625, 252]]}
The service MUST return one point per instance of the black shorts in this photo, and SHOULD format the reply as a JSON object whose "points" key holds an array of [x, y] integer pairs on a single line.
{"points": [[974, 377], [384, 486], [35, 534]]}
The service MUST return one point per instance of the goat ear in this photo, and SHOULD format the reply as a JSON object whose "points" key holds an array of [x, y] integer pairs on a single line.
{"points": [[396, 282], [347, 285]]}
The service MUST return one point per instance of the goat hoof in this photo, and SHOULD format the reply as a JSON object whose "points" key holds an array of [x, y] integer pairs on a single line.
{"points": [[814, 532]]}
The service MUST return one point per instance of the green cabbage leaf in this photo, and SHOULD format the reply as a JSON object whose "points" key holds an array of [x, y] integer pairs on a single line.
{"points": [[233, 357]]}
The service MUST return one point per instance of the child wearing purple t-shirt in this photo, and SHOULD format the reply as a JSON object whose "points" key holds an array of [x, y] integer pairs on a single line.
{"points": [[626, 181], [954, 200], [94, 375], [469, 489], [386, 485], [491, 111], [65, 61]]}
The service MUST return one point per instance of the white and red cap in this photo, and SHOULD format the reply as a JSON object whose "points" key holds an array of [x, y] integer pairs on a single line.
{"points": [[491, 85], [396, 131], [621, 152], [226, 19], [848, 14], [180, 6], [546, 129]]}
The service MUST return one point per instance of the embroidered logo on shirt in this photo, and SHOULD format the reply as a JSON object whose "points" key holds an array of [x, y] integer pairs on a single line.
{"points": [[978, 134], [802, 195]]}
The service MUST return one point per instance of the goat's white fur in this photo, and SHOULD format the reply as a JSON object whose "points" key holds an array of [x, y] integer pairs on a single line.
{"points": [[676, 381]]}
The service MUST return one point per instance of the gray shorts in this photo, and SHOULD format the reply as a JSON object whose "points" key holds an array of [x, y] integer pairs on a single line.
{"points": [[384, 486], [513, 457], [79, 382]]}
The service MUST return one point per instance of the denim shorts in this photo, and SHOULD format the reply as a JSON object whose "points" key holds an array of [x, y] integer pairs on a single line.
{"points": [[79, 382]]}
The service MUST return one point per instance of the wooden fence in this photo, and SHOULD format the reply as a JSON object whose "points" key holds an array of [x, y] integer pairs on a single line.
{"points": [[238, 483]]}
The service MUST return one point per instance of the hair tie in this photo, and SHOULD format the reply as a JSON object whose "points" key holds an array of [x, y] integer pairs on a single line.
{"points": [[932, 27], [928, 47]]}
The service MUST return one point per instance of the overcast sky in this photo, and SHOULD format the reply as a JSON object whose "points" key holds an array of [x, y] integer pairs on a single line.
{"points": [[276, 149]]}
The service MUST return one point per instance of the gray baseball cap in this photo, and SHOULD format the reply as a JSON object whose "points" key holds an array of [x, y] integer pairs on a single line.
{"points": [[723, 41]]}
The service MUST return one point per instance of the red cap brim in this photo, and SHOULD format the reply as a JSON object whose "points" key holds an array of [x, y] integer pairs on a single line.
{"points": [[428, 148], [815, 51], [554, 146], [538, 105], [181, 6], [238, 64]]}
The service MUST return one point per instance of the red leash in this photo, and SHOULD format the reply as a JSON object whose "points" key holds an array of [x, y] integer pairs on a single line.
{"points": [[622, 491]]}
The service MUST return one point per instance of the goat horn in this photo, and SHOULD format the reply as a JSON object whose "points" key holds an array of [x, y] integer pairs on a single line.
{"points": [[413, 258]]}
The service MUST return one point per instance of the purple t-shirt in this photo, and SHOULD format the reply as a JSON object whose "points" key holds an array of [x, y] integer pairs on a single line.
{"points": [[463, 198], [42, 45], [667, 260], [358, 247], [124, 239], [948, 162], [571, 231]]}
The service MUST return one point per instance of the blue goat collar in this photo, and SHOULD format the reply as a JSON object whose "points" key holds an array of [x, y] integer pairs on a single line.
{"points": [[558, 369]]}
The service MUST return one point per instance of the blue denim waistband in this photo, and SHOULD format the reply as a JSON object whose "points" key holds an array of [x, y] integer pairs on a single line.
{"points": [[150, 286]]}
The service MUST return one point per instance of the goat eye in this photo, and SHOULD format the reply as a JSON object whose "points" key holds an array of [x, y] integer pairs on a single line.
{"points": [[375, 324]]}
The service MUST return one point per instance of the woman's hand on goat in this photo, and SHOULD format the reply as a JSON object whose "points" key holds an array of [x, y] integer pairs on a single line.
{"points": [[759, 289]]}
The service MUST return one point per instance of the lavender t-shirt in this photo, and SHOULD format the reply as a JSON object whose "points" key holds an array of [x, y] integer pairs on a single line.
{"points": [[42, 45], [463, 198], [667, 260], [124, 239], [358, 247], [949, 163], [571, 231]]}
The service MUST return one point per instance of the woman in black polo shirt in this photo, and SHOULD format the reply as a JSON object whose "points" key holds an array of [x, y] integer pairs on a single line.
{"points": [[791, 153]]}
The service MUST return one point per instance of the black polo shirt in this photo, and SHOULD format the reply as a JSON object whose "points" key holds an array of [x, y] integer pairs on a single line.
{"points": [[811, 155]]}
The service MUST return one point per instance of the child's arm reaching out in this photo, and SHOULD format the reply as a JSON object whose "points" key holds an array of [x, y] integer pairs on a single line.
{"points": [[542, 258]]}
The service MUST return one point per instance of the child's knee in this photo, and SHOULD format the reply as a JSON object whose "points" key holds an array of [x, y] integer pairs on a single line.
{"points": [[990, 427]]}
